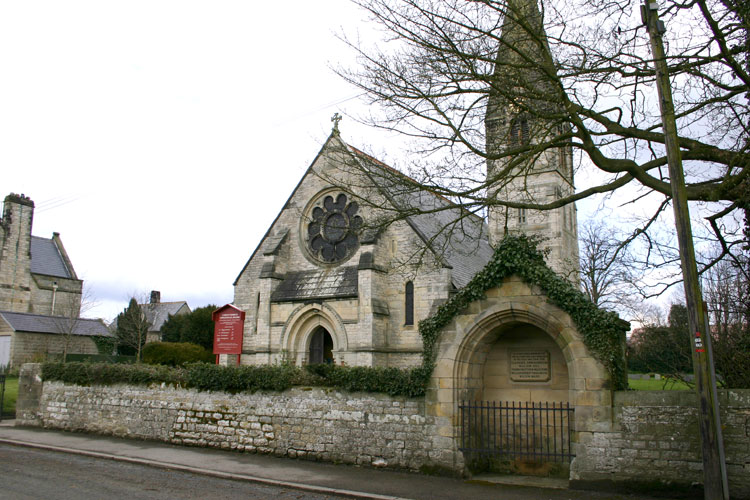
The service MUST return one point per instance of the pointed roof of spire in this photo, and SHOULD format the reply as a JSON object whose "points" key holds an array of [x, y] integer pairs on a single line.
{"points": [[520, 81], [523, 42]]}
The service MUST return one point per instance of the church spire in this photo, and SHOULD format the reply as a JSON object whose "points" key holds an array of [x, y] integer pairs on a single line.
{"points": [[523, 108], [520, 84]]}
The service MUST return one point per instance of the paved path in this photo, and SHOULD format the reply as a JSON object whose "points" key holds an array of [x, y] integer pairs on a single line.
{"points": [[325, 478]]}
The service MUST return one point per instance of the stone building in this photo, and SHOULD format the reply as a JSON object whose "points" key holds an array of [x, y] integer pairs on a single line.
{"points": [[35, 337], [40, 293], [330, 282], [36, 274], [360, 254], [158, 312], [335, 280]]}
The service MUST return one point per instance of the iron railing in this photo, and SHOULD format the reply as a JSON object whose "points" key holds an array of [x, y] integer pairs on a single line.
{"points": [[516, 430]]}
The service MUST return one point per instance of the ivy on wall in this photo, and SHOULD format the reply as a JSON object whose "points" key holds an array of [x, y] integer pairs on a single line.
{"points": [[603, 331], [603, 334]]}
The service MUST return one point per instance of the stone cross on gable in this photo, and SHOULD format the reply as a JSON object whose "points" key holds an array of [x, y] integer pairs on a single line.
{"points": [[336, 118]]}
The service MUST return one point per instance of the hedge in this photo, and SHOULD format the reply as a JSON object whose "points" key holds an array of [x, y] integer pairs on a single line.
{"points": [[175, 353], [234, 379]]}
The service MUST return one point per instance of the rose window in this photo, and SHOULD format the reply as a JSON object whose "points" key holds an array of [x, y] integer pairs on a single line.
{"points": [[332, 234]]}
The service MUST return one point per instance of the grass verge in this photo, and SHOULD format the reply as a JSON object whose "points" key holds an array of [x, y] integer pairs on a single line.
{"points": [[668, 384], [11, 394]]}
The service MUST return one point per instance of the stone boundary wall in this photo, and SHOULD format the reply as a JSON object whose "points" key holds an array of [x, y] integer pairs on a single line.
{"points": [[318, 424], [651, 443], [654, 441]]}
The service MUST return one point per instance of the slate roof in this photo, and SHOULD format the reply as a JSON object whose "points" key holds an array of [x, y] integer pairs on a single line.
{"points": [[47, 259], [459, 238], [158, 313], [461, 242], [37, 323], [336, 283]]}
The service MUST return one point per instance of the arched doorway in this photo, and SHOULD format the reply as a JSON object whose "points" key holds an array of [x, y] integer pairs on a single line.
{"points": [[321, 347], [513, 397], [314, 333]]}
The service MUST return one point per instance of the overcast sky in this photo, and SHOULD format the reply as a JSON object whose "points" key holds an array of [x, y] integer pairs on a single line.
{"points": [[160, 138]]}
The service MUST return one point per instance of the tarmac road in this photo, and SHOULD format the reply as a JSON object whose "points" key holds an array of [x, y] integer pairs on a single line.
{"points": [[193, 467], [27, 473]]}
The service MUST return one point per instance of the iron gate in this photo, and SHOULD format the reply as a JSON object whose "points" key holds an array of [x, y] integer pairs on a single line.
{"points": [[538, 432]]}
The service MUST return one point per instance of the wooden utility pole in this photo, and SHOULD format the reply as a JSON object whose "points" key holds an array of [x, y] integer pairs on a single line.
{"points": [[714, 466]]}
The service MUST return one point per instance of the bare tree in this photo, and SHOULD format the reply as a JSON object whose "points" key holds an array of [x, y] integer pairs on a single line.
{"points": [[490, 89], [608, 273], [726, 288], [68, 313]]}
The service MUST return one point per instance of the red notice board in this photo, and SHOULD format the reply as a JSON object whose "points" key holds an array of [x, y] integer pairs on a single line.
{"points": [[229, 323]]}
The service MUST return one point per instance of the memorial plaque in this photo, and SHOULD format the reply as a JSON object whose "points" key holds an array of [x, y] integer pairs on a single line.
{"points": [[529, 366]]}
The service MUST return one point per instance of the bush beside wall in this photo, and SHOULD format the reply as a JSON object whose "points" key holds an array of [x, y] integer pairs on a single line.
{"points": [[237, 379], [175, 353]]}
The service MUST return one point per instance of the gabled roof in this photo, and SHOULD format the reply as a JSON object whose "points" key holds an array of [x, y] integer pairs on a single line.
{"points": [[457, 238], [46, 258], [158, 313], [37, 323]]}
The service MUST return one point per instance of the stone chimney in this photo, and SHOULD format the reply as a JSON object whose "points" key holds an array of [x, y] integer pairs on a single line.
{"points": [[15, 253], [155, 297]]}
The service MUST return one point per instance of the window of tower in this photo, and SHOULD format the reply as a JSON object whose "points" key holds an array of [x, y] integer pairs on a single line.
{"points": [[521, 216], [562, 164], [519, 131]]}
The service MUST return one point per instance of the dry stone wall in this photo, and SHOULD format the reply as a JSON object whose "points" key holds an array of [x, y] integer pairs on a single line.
{"points": [[655, 439], [314, 424]]}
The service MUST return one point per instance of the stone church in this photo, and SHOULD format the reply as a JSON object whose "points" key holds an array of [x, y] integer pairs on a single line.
{"points": [[360, 254]]}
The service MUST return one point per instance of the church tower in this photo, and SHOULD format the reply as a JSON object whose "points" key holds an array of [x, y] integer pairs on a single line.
{"points": [[523, 112]]}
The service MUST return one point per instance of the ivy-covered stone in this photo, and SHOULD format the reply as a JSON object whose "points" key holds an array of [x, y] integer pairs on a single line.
{"points": [[603, 331]]}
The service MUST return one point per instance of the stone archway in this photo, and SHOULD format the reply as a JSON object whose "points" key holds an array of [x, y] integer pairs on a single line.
{"points": [[524, 364], [516, 331], [305, 326], [483, 335]]}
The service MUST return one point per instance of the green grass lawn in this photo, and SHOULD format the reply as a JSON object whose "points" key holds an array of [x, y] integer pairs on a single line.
{"points": [[658, 385], [11, 393]]}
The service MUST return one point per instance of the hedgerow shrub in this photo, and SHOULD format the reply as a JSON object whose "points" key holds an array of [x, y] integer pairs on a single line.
{"points": [[392, 381], [175, 353], [110, 373], [235, 379]]}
